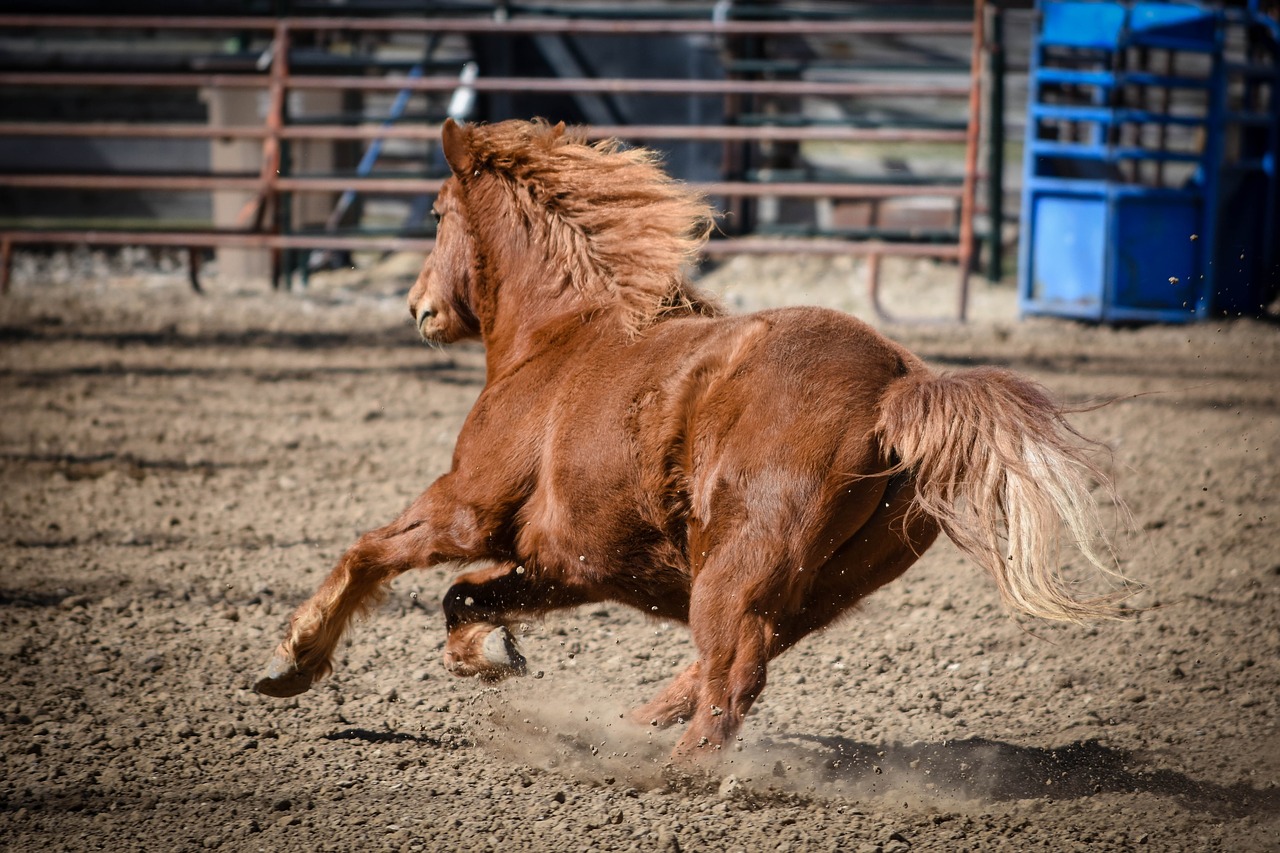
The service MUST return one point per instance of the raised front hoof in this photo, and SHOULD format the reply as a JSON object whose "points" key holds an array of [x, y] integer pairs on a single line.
{"points": [[483, 651], [282, 679]]}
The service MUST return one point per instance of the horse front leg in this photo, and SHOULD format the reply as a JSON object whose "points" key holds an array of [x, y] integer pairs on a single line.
{"points": [[480, 606], [355, 585], [420, 537]]}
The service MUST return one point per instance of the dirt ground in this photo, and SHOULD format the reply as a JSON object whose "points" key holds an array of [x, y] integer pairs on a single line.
{"points": [[179, 472]]}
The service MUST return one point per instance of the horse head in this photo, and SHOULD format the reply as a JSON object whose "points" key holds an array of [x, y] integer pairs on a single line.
{"points": [[535, 222], [442, 298]]}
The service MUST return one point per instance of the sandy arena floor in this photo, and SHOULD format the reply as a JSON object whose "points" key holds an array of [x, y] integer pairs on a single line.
{"points": [[179, 472]]}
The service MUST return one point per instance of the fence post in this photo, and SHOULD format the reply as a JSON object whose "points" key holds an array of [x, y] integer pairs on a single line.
{"points": [[6, 262]]}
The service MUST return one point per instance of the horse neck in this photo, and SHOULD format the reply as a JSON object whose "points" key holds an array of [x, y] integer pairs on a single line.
{"points": [[520, 297]]}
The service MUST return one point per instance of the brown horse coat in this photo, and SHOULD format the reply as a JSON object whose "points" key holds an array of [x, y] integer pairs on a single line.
{"points": [[753, 476]]}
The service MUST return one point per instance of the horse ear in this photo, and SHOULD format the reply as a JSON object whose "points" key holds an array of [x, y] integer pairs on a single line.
{"points": [[457, 151]]}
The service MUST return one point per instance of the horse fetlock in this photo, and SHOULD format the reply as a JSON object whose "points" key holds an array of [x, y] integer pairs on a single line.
{"points": [[484, 650], [460, 609], [283, 677]]}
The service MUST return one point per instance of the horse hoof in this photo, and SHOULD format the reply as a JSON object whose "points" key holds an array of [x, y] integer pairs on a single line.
{"points": [[486, 651], [282, 679], [500, 652]]}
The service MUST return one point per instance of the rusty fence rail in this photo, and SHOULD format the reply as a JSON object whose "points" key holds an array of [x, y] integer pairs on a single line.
{"points": [[262, 225]]}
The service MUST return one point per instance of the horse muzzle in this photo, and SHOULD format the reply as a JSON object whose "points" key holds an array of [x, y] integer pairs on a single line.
{"points": [[426, 319]]}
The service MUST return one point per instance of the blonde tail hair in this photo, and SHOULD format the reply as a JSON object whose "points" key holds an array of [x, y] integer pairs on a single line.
{"points": [[1003, 473]]}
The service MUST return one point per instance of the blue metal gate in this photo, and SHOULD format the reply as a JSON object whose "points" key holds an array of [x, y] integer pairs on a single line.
{"points": [[1150, 187]]}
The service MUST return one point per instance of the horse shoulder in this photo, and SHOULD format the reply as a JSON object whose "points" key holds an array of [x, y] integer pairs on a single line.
{"points": [[496, 454], [610, 481]]}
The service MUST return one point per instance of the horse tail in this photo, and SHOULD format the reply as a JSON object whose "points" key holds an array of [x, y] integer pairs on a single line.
{"points": [[999, 468]]}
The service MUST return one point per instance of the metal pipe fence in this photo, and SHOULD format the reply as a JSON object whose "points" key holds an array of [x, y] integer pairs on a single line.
{"points": [[264, 223]]}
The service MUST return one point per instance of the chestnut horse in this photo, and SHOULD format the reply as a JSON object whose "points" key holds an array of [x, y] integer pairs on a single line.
{"points": [[752, 476]]}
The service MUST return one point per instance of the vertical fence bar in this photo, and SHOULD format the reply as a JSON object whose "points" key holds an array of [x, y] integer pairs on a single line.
{"points": [[272, 155], [193, 269], [995, 144], [6, 262], [971, 157]]}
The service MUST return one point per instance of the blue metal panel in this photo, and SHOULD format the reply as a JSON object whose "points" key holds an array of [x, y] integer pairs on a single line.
{"points": [[1173, 25], [1157, 255], [1082, 24], [1066, 269]]}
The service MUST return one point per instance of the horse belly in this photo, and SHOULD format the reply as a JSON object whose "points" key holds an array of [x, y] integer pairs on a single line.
{"points": [[598, 541]]}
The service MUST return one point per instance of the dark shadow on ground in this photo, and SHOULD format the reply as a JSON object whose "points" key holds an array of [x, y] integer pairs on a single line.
{"points": [[369, 736], [977, 768], [447, 373]]}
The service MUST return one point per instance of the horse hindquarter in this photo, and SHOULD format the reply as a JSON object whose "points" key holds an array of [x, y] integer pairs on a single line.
{"points": [[793, 516]]}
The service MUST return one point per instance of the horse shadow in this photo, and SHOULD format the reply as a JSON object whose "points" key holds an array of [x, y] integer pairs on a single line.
{"points": [[982, 769], [375, 737], [789, 764]]}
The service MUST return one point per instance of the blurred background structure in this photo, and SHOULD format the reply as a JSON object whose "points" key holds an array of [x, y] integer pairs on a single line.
{"points": [[1150, 190], [281, 137]]}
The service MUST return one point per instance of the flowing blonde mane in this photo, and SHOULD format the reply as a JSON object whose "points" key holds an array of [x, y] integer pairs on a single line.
{"points": [[620, 230]]}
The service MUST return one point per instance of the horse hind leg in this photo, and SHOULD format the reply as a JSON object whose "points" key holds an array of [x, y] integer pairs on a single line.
{"points": [[479, 605], [890, 541], [738, 640], [734, 659], [680, 698], [732, 612], [676, 703]]}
